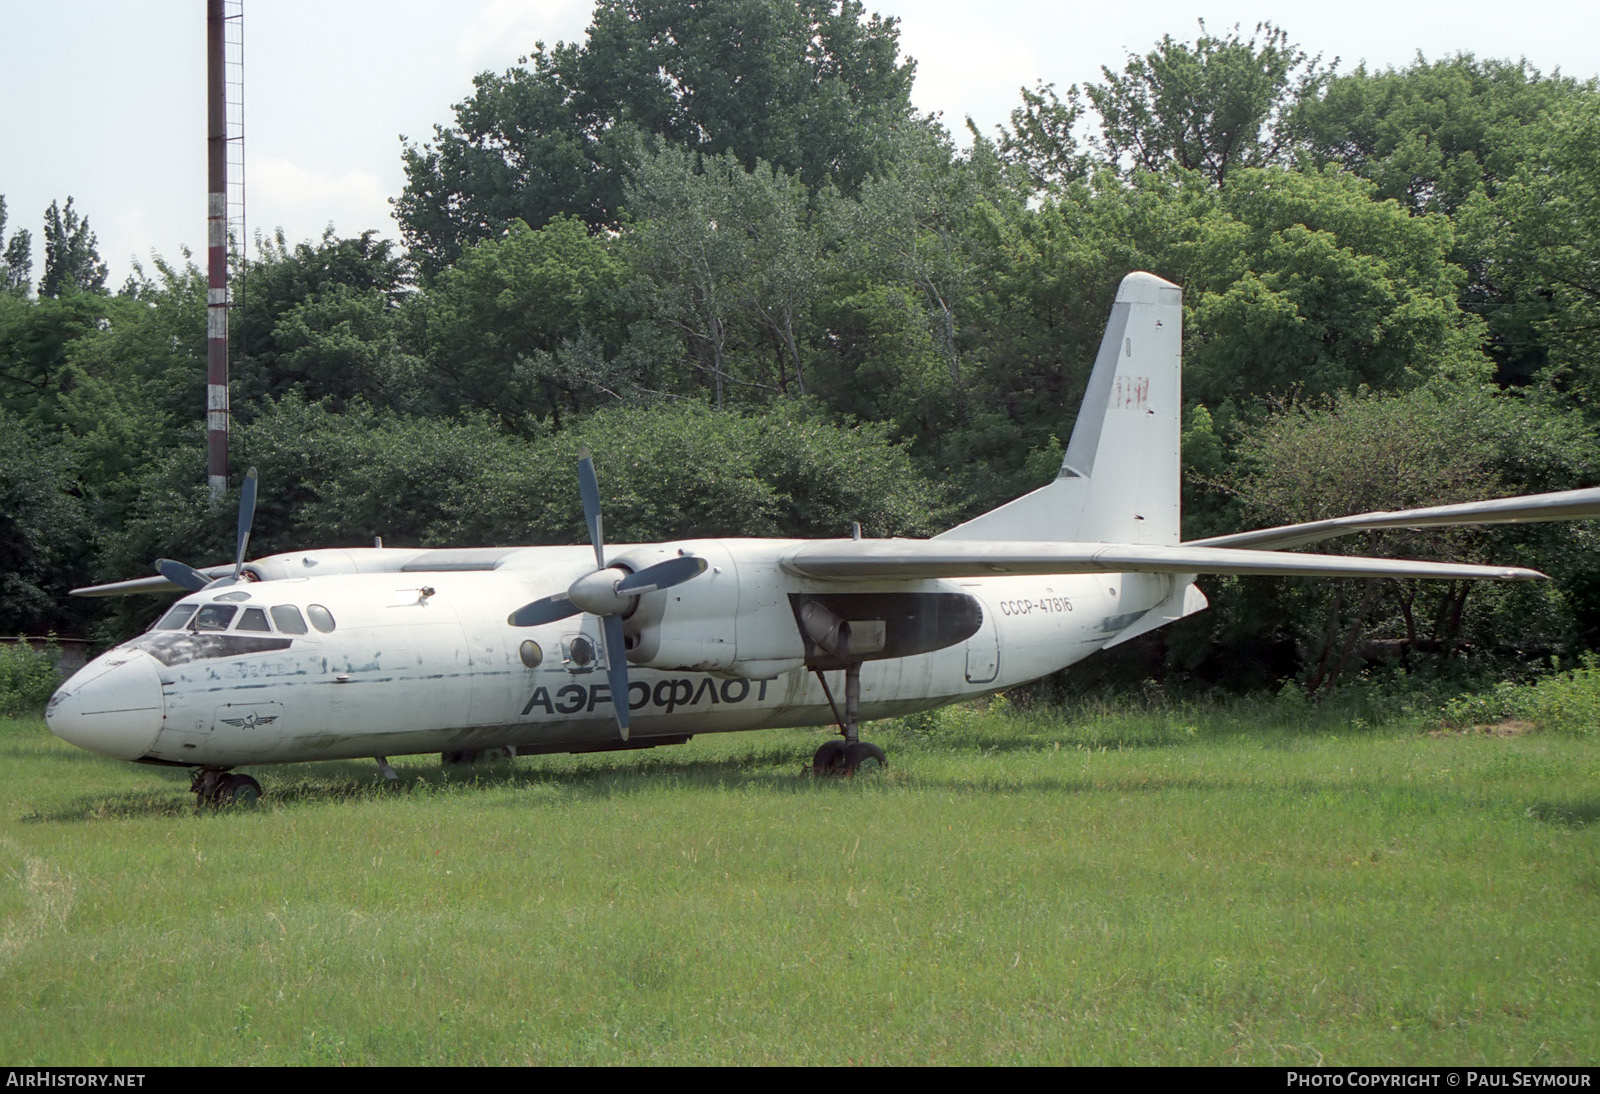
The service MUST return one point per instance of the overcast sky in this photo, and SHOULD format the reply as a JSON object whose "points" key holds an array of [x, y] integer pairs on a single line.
{"points": [[105, 99]]}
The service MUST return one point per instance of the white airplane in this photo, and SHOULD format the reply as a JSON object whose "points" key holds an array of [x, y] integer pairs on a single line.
{"points": [[341, 654]]}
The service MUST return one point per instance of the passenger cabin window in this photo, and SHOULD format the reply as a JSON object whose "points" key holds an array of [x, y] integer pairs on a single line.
{"points": [[321, 618], [253, 619], [214, 617], [288, 619], [175, 619]]}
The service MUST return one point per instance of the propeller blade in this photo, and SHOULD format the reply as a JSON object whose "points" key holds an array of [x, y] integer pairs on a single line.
{"points": [[247, 517], [182, 574], [546, 609], [663, 575], [617, 668], [589, 490]]}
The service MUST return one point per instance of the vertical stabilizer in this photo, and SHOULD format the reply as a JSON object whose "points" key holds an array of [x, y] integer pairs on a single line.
{"points": [[1119, 482]]}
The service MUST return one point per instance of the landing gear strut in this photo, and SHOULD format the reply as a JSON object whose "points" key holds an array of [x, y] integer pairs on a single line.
{"points": [[213, 787], [851, 755]]}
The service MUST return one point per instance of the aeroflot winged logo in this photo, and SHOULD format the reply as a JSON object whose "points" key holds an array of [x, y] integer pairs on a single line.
{"points": [[249, 721]]}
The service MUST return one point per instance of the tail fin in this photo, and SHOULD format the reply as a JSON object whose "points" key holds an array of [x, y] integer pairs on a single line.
{"points": [[1119, 482]]}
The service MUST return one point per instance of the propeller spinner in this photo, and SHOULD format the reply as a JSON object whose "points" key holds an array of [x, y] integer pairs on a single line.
{"points": [[606, 592]]}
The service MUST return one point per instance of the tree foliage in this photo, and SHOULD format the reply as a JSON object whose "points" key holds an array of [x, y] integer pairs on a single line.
{"points": [[1431, 446], [71, 259], [1213, 106], [521, 326], [44, 527], [16, 258], [808, 86]]}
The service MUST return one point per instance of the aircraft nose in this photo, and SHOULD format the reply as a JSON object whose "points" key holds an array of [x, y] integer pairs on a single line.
{"points": [[112, 706]]}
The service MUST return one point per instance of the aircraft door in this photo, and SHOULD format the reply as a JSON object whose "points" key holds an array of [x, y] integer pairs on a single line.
{"points": [[983, 648]]}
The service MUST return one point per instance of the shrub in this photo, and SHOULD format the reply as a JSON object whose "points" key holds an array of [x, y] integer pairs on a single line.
{"points": [[27, 677], [1568, 702]]}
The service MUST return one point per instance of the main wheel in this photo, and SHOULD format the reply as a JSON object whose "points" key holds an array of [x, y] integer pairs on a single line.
{"points": [[863, 757], [829, 759], [238, 790]]}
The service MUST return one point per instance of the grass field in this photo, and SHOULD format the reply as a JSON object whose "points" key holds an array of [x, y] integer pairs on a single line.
{"points": [[1151, 885]]}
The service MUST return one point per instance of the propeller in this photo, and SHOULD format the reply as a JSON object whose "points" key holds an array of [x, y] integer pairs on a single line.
{"points": [[187, 577], [607, 592]]}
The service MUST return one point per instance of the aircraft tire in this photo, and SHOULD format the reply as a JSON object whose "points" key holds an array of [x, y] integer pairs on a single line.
{"points": [[864, 758], [829, 759], [238, 790]]}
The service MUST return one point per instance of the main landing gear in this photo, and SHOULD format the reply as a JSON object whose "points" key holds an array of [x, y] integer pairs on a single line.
{"points": [[850, 756], [213, 787]]}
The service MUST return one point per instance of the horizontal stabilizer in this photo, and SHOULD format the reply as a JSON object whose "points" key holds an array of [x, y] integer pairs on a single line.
{"points": [[154, 584], [1524, 509], [903, 559]]}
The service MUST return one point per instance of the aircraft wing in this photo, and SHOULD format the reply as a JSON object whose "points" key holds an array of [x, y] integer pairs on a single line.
{"points": [[900, 559], [1526, 508]]}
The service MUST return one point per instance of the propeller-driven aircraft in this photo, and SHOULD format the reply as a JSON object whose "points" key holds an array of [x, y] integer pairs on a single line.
{"points": [[375, 652]]}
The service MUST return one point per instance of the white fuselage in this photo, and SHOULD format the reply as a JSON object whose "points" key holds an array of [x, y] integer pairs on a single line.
{"points": [[394, 663]]}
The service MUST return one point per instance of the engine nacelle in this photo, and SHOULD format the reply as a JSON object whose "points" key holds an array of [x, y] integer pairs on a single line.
{"points": [[734, 619]]}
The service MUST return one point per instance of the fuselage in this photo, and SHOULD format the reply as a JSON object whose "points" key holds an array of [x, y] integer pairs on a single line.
{"points": [[406, 660]]}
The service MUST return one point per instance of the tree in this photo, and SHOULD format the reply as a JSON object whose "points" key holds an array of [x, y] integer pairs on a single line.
{"points": [[1041, 139], [521, 327], [806, 85], [44, 528], [668, 471], [1448, 137], [37, 340], [1300, 282], [1217, 105], [906, 232], [1430, 135], [325, 319], [1431, 446], [16, 260], [1538, 238], [71, 262], [732, 263]]}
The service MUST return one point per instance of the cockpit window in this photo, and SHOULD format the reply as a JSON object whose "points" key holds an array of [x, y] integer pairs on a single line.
{"points": [[321, 618], [176, 618], [253, 619], [214, 617], [182, 647], [288, 619]]}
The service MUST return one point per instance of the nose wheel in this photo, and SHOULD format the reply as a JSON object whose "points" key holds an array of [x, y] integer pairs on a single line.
{"points": [[218, 788]]}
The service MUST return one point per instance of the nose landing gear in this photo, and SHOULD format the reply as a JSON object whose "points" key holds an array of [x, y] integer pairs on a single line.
{"points": [[219, 788]]}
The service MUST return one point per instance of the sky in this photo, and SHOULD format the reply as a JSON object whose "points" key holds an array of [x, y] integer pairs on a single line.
{"points": [[105, 99]]}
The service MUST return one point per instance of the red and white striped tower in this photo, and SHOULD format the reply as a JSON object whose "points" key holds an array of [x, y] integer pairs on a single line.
{"points": [[217, 254]]}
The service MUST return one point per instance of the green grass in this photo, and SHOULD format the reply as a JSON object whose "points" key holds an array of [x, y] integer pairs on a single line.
{"points": [[1258, 884]]}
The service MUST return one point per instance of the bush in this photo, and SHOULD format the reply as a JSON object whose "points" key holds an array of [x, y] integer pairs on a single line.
{"points": [[27, 677], [1568, 702]]}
